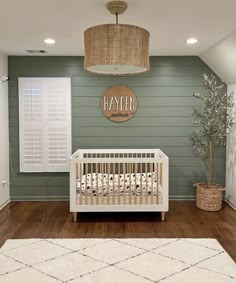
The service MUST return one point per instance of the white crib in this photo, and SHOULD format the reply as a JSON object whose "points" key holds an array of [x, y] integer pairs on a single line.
{"points": [[119, 180]]}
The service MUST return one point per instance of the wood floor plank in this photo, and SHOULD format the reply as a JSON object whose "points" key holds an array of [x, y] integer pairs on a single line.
{"points": [[52, 220]]}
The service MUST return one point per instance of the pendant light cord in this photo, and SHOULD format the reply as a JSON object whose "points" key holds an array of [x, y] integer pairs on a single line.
{"points": [[116, 18]]}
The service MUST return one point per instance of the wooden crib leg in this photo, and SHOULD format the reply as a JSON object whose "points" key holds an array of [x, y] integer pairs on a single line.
{"points": [[75, 216], [163, 216]]}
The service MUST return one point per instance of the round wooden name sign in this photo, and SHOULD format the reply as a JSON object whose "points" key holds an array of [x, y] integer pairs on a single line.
{"points": [[119, 103]]}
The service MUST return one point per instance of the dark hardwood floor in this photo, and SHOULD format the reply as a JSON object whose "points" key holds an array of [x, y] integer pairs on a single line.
{"points": [[52, 220]]}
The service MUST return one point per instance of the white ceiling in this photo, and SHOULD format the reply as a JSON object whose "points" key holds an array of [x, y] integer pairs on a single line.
{"points": [[25, 23]]}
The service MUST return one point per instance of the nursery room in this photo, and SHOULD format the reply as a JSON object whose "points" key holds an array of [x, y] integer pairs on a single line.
{"points": [[117, 145]]}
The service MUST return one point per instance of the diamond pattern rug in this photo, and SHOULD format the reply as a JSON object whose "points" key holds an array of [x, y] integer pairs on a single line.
{"points": [[134, 260]]}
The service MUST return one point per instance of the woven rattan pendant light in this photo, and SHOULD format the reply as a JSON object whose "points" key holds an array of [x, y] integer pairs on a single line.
{"points": [[116, 49]]}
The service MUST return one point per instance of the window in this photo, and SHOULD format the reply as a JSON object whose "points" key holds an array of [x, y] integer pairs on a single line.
{"points": [[45, 124]]}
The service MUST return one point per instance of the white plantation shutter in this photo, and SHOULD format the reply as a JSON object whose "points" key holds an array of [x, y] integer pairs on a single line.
{"points": [[31, 125], [45, 124], [58, 125]]}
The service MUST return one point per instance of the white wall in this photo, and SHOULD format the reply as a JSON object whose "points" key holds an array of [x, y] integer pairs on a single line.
{"points": [[231, 156], [221, 58], [4, 140]]}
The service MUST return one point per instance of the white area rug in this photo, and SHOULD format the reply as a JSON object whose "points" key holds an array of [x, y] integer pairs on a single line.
{"points": [[115, 261]]}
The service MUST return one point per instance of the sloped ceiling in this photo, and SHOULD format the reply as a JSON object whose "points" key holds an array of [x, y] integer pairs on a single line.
{"points": [[221, 58]]}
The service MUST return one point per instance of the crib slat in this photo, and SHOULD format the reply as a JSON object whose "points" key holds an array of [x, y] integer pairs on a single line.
{"points": [[141, 194], [91, 183], [77, 171], [124, 183], [102, 165], [141, 177], [152, 180], [77, 179], [157, 184], [119, 183], [80, 169], [130, 190], [105, 172], [161, 174], [135, 188], [96, 183], [113, 176], [146, 184], [108, 181], [106, 185], [132, 168], [104, 182], [86, 183]]}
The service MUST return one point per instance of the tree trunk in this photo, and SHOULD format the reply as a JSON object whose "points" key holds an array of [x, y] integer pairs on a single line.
{"points": [[210, 164]]}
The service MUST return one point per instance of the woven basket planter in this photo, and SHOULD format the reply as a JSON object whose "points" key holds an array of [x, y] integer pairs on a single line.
{"points": [[209, 199]]}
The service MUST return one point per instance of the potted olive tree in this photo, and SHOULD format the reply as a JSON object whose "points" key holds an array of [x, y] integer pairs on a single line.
{"points": [[212, 119]]}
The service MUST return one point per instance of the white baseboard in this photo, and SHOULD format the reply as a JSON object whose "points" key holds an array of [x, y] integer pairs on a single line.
{"points": [[182, 197], [67, 198], [230, 203], [4, 204], [40, 198]]}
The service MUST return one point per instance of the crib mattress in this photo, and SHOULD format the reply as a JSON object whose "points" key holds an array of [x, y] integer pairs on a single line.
{"points": [[123, 184]]}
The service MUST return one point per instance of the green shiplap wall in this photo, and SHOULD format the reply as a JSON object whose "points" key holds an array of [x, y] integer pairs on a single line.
{"points": [[163, 120]]}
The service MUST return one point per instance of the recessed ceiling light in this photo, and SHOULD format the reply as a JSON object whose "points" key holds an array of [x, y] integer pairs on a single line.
{"points": [[49, 41], [191, 40]]}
